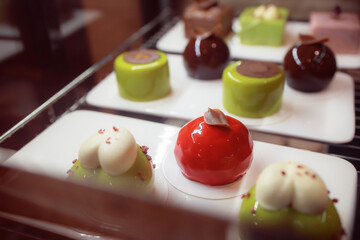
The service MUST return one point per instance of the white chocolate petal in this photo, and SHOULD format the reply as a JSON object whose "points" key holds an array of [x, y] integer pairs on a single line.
{"points": [[259, 11], [271, 12], [282, 184], [118, 152], [274, 187], [88, 151], [310, 196]]}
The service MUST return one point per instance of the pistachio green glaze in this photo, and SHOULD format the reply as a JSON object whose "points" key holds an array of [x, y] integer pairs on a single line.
{"points": [[255, 31], [143, 82], [286, 223], [251, 97], [138, 177]]}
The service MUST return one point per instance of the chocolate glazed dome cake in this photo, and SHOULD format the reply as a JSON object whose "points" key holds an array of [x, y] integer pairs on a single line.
{"points": [[310, 65], [205, 56]]}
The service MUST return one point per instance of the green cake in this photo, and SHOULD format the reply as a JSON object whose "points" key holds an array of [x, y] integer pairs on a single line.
{"points": [[142, 75], [253, 89], [138, 177], [289, 202], [112, 159], [263, 25]]}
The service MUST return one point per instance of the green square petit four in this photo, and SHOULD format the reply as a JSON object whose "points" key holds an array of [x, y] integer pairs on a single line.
{"points": [[265, 28]]}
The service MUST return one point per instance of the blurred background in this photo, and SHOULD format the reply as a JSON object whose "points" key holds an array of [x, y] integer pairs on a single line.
{"points": [[44, 44]]}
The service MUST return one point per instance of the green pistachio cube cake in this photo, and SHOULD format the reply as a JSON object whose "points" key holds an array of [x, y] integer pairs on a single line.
{"points": [[263, 25]]}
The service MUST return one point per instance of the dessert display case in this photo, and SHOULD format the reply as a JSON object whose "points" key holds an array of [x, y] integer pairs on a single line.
{"points": [[320, 130]]}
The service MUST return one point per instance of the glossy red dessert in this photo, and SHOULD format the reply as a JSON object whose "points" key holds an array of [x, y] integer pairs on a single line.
{"points": [[310, 65], [206, 56], [214, 149]]}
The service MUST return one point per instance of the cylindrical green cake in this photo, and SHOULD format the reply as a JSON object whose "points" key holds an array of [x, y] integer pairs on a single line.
{"points": [[142, 75], [253, 89]]}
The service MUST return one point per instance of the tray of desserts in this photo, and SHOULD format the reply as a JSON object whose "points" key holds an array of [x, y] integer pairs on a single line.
{"points": [[309, 115], [241, 168], [255, 35], [76, 126]]}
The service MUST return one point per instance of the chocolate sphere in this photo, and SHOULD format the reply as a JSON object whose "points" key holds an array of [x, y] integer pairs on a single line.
{"points": [[309, 67], [205, 57]]}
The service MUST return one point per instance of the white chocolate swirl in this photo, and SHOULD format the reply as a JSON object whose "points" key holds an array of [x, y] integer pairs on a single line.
{"points": [[113, 149], [285, 184]]}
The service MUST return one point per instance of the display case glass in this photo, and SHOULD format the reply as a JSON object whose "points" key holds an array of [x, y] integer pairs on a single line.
{"points": [[61, 71]]}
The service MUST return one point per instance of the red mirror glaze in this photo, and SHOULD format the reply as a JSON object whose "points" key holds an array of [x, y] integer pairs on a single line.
{"points": [[214, 155]]}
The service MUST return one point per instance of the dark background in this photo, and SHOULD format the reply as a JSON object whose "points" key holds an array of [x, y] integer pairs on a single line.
{"points": [[44, 44]]}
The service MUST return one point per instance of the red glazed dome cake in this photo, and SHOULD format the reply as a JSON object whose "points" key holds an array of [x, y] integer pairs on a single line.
{"points": [[214, 149]]}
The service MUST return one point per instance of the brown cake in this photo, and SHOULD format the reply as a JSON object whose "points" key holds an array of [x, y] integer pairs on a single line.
{"points": [[310, 65], [205, 15], [205, 57]]}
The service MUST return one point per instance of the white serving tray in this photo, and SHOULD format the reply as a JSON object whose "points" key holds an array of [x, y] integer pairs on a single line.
{"points": [[174, 41], [52, 151], [327, 116], [200, 197], [63, 138]]}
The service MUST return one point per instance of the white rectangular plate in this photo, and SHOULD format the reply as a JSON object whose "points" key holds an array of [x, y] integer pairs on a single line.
{"points": [[174, 41], [327, 116], [52, 151]]}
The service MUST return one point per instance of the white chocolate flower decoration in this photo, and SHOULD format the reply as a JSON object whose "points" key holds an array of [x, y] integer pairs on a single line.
{"points": [[285, 184], [266, 12], [113, 149]]}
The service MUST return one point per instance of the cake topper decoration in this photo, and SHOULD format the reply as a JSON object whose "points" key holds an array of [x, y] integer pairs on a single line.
{"points": [[308, 39], [207, 4], [258, 69], [216, 117], [336, 12], [141, 56], [113, 149], [203, 33], [267, 12]]}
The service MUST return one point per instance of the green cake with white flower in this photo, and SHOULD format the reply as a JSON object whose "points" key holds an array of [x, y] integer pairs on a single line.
{"points": [[289, 201], [113, 159], [263, 25]]}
